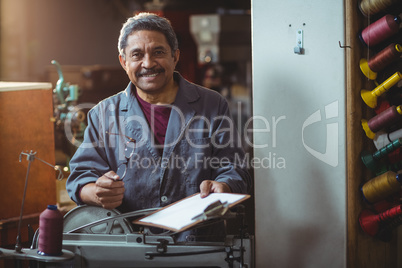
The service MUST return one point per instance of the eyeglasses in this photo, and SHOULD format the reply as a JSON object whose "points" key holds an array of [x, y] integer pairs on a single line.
{"points": [[128, 153]]}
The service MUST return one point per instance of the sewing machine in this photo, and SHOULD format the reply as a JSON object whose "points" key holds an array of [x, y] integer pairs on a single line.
{"points": [[98, 237], [109, 240]]}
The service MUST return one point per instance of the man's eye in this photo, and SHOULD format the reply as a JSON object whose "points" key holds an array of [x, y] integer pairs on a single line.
{"points": [[159, 52], [136, 55]]}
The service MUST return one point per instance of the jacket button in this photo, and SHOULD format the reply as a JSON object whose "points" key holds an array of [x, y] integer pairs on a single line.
{"points": [[164, 198]]}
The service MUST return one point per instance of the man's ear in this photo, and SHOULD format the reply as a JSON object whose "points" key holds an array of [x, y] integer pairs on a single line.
{"points": [[122, 62]]}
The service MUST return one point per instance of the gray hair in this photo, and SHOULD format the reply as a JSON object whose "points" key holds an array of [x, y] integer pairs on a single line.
{"points": [[149, 22]]}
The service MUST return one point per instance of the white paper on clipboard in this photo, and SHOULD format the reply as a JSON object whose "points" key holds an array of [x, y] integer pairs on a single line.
{"points": [[179, 215]]}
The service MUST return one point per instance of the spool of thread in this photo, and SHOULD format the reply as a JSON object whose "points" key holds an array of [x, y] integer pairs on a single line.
{"points": [[382, 105], [371, 7], [382, 139], [381, 60], [385, 119], [384, 167], [388, 203], [380, 30], [370, 160], [395, 156], [381, 187], [370, 222], [370, 97], [50, 232]]}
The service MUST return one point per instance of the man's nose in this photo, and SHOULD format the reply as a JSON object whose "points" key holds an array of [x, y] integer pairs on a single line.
{"points": [[148, 62]]}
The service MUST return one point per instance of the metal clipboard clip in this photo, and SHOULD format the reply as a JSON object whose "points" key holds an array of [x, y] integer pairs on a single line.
{"points": [[214, 210]]}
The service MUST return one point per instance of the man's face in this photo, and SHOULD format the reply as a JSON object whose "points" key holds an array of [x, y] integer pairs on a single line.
{"points": [[149, 62]]}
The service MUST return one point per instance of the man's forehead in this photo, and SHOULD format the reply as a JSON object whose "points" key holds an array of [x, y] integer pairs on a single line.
{"points": [[148, 36]]}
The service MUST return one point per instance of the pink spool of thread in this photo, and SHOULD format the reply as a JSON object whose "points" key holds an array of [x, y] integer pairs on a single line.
{"points": [[382, 120], [380, 30], [50, 232]]}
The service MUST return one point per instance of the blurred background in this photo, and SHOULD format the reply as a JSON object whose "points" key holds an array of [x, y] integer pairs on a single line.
{"points": [[214, 40]]}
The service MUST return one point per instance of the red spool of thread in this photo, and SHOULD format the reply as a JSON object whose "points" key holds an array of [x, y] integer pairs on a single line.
{"points": [[382, 105], [50, 232], [380, 30], [382, 120], [395, 156], [385, 57], [381, 60], [388, 203], [370, 223]]}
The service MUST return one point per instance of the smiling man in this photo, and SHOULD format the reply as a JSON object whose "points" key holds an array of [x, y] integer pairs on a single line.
{"points": [[137, 141]]}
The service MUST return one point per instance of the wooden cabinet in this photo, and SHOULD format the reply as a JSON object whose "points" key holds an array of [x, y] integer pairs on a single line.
{"points": [[26, 111], [362, 249]]}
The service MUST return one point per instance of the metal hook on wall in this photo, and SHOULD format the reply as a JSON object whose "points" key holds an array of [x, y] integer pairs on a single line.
{"points": [[343, 46]]}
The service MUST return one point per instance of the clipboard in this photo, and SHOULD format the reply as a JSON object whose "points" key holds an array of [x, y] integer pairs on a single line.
{"points": [[186, 213]]}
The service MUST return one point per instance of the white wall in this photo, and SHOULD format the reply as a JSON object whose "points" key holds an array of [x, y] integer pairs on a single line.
{"points": [[300, 187]]}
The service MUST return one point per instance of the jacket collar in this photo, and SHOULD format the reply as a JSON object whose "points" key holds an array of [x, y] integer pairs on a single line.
{"points": [[187, 91]]}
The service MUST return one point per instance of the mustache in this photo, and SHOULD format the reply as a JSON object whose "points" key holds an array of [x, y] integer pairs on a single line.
{"points": [[150, 71]]}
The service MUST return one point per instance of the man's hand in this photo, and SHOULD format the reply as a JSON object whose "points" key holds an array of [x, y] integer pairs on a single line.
{"points": [[107, 191], [209, 186]]}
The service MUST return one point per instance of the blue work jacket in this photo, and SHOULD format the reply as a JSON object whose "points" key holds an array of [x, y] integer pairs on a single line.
{"points": [[201, 143]]}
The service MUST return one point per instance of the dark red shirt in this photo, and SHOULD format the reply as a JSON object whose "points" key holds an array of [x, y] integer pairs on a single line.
{"points": [[158, 119]]}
